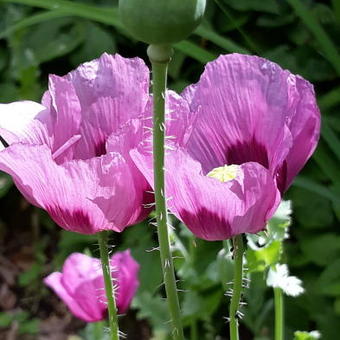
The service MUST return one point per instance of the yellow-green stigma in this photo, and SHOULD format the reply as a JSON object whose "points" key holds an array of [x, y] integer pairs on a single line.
{"points": [[224, 173]]}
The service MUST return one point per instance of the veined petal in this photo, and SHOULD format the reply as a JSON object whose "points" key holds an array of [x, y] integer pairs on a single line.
{"points": [[19, 123], [179, 119], [112, 76], [65, 114], [81, 284], [111, 90], [125, 271], [68, 191], [213, 210], [138, 194], [54, 281], [83, 280], [304, 125], [79, 267], [244, 104]]}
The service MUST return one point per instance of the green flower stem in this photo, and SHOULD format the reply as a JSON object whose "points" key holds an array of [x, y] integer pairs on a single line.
{"points": [[160, 56], [111, 303], [193, 330], [237, 287], [279, 311], [97, 330]]}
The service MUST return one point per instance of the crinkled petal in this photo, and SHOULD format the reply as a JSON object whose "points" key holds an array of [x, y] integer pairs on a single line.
{"points": [[68, 191], [304, 125], [19, 122], [83, 280], [78, 268], [64, 114], [213, 210], [179, 120], [138, 194], [244, 108], [125, 271], [111, 90], [54, 281]]}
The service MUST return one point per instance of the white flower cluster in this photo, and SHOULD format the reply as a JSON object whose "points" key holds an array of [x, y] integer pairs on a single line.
{"points": [[278, 276]]}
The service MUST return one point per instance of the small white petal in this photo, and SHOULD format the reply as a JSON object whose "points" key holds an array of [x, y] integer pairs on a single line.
{"points": [[279, 277], [292, 286], [315, 334]]}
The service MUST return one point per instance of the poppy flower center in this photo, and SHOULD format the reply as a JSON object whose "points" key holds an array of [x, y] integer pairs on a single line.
{"points": [[224, 173]]}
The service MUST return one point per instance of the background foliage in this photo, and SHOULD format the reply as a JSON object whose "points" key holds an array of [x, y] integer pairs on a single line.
{"points": [[38, 37]]}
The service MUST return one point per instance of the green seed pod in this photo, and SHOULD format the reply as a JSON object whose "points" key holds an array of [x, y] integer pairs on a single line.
{"points": [[161, 22]]}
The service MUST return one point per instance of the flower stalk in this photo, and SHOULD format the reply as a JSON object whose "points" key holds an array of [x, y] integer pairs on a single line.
{"points": [[237, 287], [279, 313], [160, 56], [111, 302]]}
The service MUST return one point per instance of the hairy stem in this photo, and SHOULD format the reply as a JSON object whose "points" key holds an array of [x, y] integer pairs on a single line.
{"points": [[279, 311], [111, 303], [160, 56], [237, 287]]}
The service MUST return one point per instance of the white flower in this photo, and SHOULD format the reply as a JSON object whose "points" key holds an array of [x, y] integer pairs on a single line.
{"points": [[302, 335], [315, 334], [279, 277]]}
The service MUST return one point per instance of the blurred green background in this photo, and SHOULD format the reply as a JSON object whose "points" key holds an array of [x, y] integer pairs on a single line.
{"points": [[39, 37]]}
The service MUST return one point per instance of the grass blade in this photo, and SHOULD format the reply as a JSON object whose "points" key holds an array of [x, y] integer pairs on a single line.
{"points": [[318, 31], [312, 186]]}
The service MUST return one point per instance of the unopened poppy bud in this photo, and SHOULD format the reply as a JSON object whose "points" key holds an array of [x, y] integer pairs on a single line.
{"points": [[161, 21]]}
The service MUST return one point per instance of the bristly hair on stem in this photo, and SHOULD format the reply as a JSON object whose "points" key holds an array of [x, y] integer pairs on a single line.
{"points": [[234, 313], [109, 288], [160, 56]]}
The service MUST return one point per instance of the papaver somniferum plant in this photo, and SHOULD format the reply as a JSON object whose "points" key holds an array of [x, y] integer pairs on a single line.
{"points": [[70, 154], [81, 285], [240, 135]]}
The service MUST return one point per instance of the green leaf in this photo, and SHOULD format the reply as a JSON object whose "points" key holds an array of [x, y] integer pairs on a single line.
{"points": [[225, 268], [329, 281], [33, 20], [258, 309], [110, 16], [195, 51], [70, 242], [5, 183], [140, 240], [315, 251], [5, 319], [192, 305], [49, 40], [29, 327], [326, 44], [269, 6], [227, 44], [312, 186], [31, 275], [312, 211], [279, 223], [314, 335], [261, 259], [154, 309], [328, 100], [331, 138], [95, 331], [104, 15], [97, 41]]}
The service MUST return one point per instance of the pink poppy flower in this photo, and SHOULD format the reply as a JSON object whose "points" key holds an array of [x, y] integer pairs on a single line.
{"points": [[81, 285], [246, 112], [70, 153]]}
